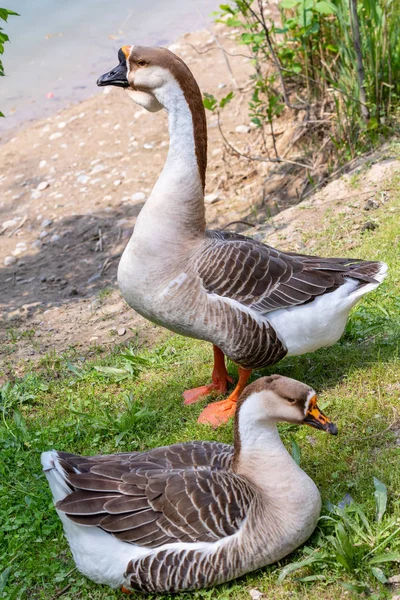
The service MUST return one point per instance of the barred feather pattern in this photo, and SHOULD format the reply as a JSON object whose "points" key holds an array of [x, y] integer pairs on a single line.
{"points": [[245, 280], [180, 493]]}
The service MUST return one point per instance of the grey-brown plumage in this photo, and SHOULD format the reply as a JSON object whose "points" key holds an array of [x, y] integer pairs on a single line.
{"points": [[195, 514]]}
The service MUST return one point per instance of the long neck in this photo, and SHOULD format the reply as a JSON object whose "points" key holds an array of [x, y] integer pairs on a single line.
{"points": [[176, 204], [260, 454]]}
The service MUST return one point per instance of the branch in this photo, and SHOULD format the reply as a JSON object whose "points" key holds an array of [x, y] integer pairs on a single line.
{"points": [[259, 158], [261, 21]]}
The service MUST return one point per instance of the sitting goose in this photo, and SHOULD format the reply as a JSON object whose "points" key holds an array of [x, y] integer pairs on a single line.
{"points": [[195, 514], [255, 304]]}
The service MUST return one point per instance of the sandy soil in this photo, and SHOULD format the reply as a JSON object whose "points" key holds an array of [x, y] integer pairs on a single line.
{"points": [[71, 187]]}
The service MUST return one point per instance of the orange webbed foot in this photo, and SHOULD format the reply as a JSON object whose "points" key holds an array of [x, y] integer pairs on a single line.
{"points": [[196, 394], [218, 413], [220, 380]]}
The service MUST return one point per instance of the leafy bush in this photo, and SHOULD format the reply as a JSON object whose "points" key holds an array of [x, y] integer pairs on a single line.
{"points": [[335, 65]]}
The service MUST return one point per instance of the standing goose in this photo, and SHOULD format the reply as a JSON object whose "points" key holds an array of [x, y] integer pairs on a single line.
{"points": [[255, 304], [195, 514]]}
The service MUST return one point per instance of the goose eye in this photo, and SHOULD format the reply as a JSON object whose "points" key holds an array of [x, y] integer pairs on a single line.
{"points": [[141, 63], [291, 400]]}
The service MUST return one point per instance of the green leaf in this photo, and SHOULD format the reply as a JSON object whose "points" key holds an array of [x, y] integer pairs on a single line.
{"points": [[379, 574], [74, 369], [3, 578], [380, 498], [324, 7], [295, 451], [387, 557], [209, 101], [224, 101], [297, 68], [295, 566], [1, 114], [310, 578], [359, 588]]}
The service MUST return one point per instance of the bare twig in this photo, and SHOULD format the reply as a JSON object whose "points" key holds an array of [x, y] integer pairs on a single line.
{"points": [[228, 64], [18, 226], [100, 241], [259, 158], [218, 48], [238, 223], [61, 592]]}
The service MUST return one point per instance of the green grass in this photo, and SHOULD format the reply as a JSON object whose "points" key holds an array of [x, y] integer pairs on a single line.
{"points": [[131, 400]]}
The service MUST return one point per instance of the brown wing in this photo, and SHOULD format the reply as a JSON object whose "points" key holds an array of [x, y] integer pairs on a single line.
{"points": [[143, 503], [258, 276]]}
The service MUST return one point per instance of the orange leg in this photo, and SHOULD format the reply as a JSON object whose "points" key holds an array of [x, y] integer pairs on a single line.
{"points": [[217, 413], [220, 380], [125, 591]]}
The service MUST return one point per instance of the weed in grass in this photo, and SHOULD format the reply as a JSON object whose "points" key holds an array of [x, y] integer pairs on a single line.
{"points": [[350, 541]]}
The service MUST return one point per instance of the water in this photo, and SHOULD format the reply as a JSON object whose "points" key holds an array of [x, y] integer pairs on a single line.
{"points": [[60, 47]]}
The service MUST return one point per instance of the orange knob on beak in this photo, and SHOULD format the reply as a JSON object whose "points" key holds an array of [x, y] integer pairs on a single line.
{"points": [[126, 50]]}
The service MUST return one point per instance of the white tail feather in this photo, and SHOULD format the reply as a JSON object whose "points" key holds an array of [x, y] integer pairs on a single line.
{"points": [[365, 289], [55, 475]]}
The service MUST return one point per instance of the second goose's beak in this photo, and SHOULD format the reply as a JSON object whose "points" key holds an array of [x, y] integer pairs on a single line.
{"points": [[316, 418], [117, 76]]}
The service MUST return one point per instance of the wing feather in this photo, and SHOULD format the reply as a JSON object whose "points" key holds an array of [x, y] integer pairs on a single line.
{"points": [[144, 500], [265, 279]]}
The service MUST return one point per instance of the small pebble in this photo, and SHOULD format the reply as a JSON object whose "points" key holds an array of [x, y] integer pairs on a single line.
{"points": [[55, 136], [42, 186], [121, 331], [9, 223], [43, 278], [148, 146], [138, 197], [42, 164], [46, 223], [55, 238], [43, 234], [371, 205], [369, 226], [97, 169], [10, 260], [82, 179], [242, 129], [117, 182], [211, 198], [62, 125]]}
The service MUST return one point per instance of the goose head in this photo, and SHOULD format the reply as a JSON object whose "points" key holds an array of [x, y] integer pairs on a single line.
{"points": [[277, 398], [145, 73]]}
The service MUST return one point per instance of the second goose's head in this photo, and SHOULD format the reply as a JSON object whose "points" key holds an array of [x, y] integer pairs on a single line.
{"points": [[277, 398], [147, 73]]}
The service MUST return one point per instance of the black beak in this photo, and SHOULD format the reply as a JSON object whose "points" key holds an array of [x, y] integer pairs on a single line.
{"points": [[117, 76], [327, 426], [316, 418]]}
